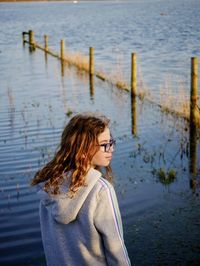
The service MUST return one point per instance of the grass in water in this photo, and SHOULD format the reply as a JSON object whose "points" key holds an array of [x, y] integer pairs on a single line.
{"points": [[174, 98], [175, 101], [166, 177], [78, 60]]}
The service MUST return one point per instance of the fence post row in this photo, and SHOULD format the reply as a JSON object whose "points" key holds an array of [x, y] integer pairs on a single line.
{"points": [[194, 111]]}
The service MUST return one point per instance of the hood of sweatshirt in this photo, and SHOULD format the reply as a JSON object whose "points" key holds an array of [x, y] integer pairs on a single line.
{"points": [[63, 208]]}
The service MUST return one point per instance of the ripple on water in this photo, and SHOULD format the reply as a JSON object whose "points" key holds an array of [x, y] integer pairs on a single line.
{"points": [[36, 103]]}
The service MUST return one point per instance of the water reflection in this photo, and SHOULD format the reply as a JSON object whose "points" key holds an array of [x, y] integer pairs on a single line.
{"points": [[46, 58], [11, 109], [31, 48], [193, 157], [193, 149], [63, 91], [62, 64], [133, 115], [91, 87]]}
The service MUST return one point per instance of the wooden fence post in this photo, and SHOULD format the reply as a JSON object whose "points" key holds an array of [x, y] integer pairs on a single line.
{"points": [[133, 94], [194, 119], [23, 37], [31, 40], [133, 74], [62, 50], [46, 46], [194, 112], [91, 61]]}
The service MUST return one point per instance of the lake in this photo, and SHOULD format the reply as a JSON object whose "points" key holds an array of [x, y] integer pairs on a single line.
{"points": [[156, 172]]}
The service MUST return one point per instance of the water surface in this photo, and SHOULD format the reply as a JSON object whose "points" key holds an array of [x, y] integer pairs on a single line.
{"points": [[161, 222]]}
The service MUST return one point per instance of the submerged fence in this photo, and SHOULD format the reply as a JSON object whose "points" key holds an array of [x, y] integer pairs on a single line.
{"points": [[89, 67], [193, 119]]}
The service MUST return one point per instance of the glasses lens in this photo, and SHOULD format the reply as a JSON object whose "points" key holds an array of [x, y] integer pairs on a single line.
{"points": [[109, 145]]}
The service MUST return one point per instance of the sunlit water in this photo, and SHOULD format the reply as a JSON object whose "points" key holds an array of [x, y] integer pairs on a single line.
{"points": [[161, 222]]}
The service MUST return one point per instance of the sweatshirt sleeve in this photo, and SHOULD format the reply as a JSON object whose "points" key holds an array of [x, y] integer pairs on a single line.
{"points": [[108, 222]]}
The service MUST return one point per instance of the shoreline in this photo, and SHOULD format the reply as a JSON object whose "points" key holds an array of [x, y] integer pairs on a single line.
{"points": [[20, 1], [70, 1]]}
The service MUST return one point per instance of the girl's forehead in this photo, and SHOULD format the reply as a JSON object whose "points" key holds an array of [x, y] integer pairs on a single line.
{"points": [[105, 135]]}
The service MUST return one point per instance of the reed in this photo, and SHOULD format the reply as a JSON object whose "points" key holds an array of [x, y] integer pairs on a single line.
{"points": [[143, 92], [78, 60], [174, 98], [118, 80], [117, 77]]}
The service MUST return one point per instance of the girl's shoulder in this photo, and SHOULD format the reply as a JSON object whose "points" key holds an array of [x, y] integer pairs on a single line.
{"points": [[104, 186], [104, 183]]}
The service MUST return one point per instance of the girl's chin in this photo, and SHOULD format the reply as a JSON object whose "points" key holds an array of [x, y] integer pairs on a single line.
{"points": [[106, 164], [102, 165]]}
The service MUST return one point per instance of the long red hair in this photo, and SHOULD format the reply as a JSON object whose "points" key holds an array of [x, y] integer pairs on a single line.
{"points": [[79, 143]]}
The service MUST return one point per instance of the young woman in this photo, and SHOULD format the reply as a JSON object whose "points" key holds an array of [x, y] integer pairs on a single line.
{"points": [[79, 214]]}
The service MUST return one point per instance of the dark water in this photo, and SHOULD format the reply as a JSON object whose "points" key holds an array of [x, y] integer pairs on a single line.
{"points": [[161, 222]]}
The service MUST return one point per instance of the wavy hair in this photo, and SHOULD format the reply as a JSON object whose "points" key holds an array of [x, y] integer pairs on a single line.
{"points": [[79, 143]]}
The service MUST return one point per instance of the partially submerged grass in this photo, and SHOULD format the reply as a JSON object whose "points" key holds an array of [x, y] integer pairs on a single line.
{"points": [[117, 76], [175, 99], [143, 92], [82, 63], [69, 113], [78, 60], [175, 102], [165, 177], [120, 83]]}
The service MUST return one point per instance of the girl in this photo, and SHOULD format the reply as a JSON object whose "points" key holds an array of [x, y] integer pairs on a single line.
{"points": [[79, 215]]}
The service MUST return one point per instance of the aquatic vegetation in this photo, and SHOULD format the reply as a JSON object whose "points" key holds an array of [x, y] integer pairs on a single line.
{"points": [[69, 112], [117, 77], [143, 94], [175, 102], [165, 177], [121, 85], [78, 60]]}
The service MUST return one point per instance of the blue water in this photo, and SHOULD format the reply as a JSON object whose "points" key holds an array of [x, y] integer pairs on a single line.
{"points": [[161, 222], [164, 34]]}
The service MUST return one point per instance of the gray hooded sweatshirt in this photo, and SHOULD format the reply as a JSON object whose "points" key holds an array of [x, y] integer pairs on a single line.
{"points": [[84, 230]]}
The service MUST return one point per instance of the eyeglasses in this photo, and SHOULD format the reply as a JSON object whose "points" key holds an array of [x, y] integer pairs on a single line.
{"points": [[108, 145]]}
